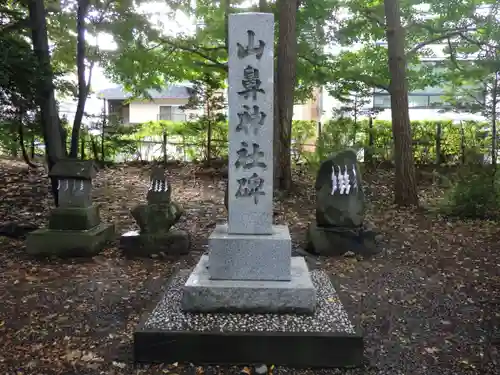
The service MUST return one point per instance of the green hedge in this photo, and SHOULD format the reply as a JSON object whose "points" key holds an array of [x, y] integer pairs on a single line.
{"points": [[457, 142], [465, 142]]}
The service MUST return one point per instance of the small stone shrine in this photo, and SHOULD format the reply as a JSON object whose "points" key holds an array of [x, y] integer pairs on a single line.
{"points": [[340, 209], [155, 220], [248, 301], [75, 227]]}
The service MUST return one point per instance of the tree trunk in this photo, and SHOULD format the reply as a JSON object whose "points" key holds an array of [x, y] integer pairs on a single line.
{"points": [[287, 61], [209, 143], [227, 11], [439, 159], [405, 189], [103, 148], [51, 126], [83, 86], [462, 143], [32, 144], [277, 172], [93, 145], [164, 147], [21, 140], [82, 148], [368, 157], [13, 145], [494, 99], [208, 95]]}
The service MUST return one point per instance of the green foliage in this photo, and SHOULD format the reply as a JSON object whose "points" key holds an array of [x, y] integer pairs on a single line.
{"points": [[189, 136], [335, 135], [147, 61], [465, 142], [303, 133], [475, 195], [18, 66], [456, 25], [473, 66]]}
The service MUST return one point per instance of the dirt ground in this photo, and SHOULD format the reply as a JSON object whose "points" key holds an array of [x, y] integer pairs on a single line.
{"points": [[429, 303]]}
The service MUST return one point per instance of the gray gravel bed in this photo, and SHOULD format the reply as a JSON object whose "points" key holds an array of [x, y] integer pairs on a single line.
{"points": [[330, 315]]}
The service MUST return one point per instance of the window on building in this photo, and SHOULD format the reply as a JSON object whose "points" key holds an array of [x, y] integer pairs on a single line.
{"points": [[165, 113], [382, 101], [436, 101], [420, 101]]}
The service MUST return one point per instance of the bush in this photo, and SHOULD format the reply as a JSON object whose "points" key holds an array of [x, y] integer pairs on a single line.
{"points": [[475, 195]]}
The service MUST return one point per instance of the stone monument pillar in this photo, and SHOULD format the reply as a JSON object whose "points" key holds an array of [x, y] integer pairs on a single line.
{"points": [[249, 266], [248, 301], [75, 228]]}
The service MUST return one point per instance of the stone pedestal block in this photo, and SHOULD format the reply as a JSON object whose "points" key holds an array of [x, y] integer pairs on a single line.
{"points": [[136, 244], [69, 242], [201, 294], [74, 218], [250, 257], [338, 241]]}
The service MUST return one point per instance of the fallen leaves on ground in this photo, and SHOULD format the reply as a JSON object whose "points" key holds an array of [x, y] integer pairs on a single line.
{"points": [[428, 304]]}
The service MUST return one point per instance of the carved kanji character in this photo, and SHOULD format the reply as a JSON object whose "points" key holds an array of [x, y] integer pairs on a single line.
{"points": [[251, 83], [250, 187], [250, 49], [249, 160], [249, 119]]}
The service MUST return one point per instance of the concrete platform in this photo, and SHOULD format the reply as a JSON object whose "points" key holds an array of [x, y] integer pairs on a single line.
{"points": [[325, 339], [250, 256], [201, 294]]}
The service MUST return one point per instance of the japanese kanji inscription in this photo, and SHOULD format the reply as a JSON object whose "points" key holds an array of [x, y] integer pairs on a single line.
{"points": [[250, 126]]}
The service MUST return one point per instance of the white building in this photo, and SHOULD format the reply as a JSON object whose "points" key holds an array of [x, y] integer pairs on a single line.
{"points": [[165, 104]]}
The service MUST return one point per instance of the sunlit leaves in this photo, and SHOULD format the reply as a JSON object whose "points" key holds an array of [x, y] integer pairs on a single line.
{"points": [[188, 57]]}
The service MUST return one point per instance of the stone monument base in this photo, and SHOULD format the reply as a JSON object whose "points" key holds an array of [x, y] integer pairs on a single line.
{"points": [[250, 256], [201, 294], [173, 242], [325, 339], [338, 241], [69, 243]]}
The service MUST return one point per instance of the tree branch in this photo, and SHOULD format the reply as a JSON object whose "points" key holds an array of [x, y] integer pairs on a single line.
{"points": [[214, 62], [453, 57], [18, 25], [444, 36], [478, 43], [369, 13], [358, 78]]}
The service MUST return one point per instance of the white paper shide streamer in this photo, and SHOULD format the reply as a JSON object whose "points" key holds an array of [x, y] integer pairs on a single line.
{"points": [[158, 186], [341, 181]]}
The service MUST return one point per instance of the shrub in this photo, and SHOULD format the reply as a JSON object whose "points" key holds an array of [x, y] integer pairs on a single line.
{"points": [[474, 195]]}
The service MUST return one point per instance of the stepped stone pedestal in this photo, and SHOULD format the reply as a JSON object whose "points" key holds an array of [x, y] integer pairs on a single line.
{"points": [[202, 294], [249, 301], [250, 273], [75, 227]]}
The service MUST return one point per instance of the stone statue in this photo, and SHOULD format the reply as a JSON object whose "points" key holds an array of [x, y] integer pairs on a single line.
{"points": [[340, 209], [155, 220]]}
